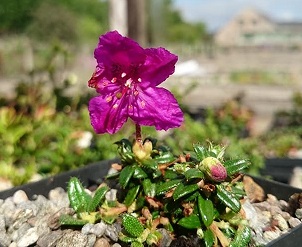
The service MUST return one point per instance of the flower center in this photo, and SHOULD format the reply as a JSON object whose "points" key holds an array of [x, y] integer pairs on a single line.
{"points": [[127, 85]]}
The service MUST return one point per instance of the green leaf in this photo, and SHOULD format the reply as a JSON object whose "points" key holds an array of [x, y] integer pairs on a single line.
{"points": [[206, 210], [71, 221], [131, 195], [97, 198], [190, 222], [125, 175], [150, 164], [149, 188], [183, 190], [209, 238], [170, 174], [132, 225], [139, 173], [194, 173], [136, 244], [125, 150], [166, 186], [228, 199], [235, 166], [201, 152], [166, 157], [79, 199], [242, 237]]}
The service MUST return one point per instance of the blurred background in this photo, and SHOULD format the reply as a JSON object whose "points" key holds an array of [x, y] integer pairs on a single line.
{"points": [[238, 79]]}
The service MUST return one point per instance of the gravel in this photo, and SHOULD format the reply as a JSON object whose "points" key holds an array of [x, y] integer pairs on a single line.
{"points": [[25, 222]]}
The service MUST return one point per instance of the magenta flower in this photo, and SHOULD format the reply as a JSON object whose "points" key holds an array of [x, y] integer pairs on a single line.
{"points": [[126, 77]]}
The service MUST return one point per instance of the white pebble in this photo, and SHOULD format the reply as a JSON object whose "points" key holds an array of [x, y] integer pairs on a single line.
{"points": [[282, 224], [19, 197]]}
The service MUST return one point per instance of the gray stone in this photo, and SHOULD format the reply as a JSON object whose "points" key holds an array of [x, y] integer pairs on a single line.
{"points": [[285, 215], [275, 210], [111, 195], [101, 242], [53, 220], [293, 222], [50, 239], [263, 206], [271, 199], [283, 204], [91, 240], [116, 245], [112, 231], [2, 222], [166, 238], [271, 235], [96, 229], [19, 197], [21, 217], [17, 233], [30, 237], [4, 239], [282, 223], [72, 238], [299, 213], [8, 209], [59, 197]]}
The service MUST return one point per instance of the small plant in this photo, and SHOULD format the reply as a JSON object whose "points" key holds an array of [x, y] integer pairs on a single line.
{"points": [[196, 194], [83, 203]]}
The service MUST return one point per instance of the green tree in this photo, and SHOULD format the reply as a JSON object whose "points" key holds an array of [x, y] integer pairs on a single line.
{"points": [[15, 15]]}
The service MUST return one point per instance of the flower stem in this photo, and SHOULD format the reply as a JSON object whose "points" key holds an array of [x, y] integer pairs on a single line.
{"points": [[138, 133]]}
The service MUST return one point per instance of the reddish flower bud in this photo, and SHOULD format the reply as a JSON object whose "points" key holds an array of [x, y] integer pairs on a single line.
{"points": [[213, 169]]}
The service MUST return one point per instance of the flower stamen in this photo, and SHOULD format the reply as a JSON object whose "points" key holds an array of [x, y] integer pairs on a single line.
{"points": [[119, 95], [109, 98], [129, 82]]}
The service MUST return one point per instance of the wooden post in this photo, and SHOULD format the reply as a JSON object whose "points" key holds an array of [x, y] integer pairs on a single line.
{"points": [[137, 21], [118, 16]]}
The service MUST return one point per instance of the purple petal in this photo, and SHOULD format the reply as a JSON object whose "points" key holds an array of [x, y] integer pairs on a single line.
{"points": [[114, 49], [156, 107], [107, 117], [159, 65]]}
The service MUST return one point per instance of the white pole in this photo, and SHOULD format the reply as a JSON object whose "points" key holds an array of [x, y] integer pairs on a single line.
{"points": [[118, 16]]}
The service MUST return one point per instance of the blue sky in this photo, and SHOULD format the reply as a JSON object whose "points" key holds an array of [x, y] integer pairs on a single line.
{"points": [[215, 13]]}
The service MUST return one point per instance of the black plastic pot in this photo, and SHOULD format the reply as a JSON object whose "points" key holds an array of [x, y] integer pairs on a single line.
{"points": [[93, 174], [280, 169]]}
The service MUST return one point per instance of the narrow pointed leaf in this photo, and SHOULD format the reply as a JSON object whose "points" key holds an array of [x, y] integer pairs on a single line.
{"points": [[183, 190], [206, 210], [131, 195], [194, 173], [228, 199], [150, 164], [71, 221], [79, 199], [235, 166], [97, 198], [166, 157], [149, 188], [209, 238], [166, 186], [125, 175], [190, 222], [201, 152], [139, 173], [242, 237]]}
